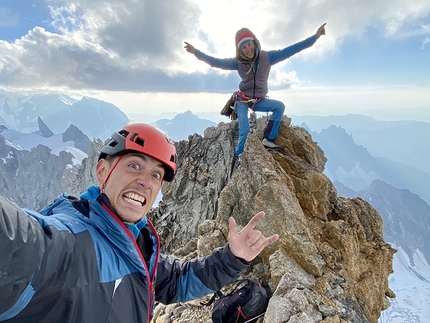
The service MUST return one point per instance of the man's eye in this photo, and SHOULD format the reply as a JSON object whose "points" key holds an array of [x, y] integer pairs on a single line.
{"points": [[134, 166], [157, 175]]}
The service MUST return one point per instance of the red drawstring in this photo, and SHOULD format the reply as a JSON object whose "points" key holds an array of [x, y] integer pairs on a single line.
{"points": [[240, 313]]}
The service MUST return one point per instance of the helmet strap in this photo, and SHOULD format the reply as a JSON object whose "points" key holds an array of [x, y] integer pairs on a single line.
{"points": [[103, 185]]}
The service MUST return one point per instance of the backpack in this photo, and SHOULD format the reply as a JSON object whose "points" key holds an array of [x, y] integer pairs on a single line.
{"points": [[228, 109], [246, 302]]}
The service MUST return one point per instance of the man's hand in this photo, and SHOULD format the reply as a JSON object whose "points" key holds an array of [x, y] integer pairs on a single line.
{"points": [[248, 243]]}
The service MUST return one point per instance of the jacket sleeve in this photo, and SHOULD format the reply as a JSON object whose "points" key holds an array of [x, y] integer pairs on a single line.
{"points": [[183, 281], [223, 63], [276, 56], [24, 262]]}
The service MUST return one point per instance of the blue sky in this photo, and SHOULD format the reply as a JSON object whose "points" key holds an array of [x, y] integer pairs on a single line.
{"points": [[375, 56]]}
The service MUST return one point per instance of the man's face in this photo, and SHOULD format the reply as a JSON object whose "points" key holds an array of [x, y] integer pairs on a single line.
{"points": [[133, 184]]}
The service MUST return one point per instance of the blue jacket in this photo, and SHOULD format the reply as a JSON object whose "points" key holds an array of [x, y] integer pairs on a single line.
{"points": [[254, 83], [75, 261]]}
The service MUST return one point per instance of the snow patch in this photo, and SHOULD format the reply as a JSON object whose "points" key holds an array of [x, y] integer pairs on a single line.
{"points": [[28, 141], [411, 283]]}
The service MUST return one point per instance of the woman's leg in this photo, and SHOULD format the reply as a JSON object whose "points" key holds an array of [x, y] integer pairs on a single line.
{"points": [[277, 108], [242, 117]]}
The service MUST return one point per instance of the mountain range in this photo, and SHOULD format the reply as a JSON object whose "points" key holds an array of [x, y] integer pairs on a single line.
{"points": [[97, 119], [394, 183]]}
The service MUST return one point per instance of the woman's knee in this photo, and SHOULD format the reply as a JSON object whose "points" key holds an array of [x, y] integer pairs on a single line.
{"points": [[281, 107], [278, 111]]}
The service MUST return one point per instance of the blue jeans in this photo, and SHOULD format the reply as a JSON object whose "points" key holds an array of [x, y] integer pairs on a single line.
{"points": [[264, 105]]}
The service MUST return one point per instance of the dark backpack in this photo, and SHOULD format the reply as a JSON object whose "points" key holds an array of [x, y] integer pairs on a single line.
{"points": [[246, 302], [229, 108]]}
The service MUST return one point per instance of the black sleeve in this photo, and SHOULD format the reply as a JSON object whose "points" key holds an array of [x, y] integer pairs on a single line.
{"points": [[182, 281]]}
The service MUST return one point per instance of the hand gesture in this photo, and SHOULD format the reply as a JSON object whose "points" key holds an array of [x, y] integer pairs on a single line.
{"points": [[248, 243], [320, 31], [189, 48]]}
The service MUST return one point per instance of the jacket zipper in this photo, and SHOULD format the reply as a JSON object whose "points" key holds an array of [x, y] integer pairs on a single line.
{"points": [[149, 275], [253, 92]]}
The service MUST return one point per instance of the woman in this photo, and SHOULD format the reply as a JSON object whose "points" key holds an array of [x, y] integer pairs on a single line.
{"points": [[253, 66]]}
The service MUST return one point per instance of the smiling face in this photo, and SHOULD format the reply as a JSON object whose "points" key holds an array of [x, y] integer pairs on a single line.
{"points": [[248, 49], [132, 186]]}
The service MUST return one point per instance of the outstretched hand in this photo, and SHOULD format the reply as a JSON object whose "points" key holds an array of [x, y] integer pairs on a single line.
{"points": [[320, 31], [189, 48], [248, 243]]}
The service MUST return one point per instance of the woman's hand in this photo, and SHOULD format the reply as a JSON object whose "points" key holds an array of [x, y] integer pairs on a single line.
{"points": [[189, 48], [321, 31]]}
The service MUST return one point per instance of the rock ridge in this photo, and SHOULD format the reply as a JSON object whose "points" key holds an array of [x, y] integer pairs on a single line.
{"points": [[330, 264]]}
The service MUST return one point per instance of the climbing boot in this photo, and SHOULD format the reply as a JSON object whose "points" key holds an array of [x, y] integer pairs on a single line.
{"points": [[270, 145]]}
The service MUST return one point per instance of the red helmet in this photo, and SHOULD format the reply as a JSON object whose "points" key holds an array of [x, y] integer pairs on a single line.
{"points": [[145, 139]]}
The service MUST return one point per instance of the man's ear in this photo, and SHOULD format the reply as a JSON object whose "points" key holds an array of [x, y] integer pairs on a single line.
{"points": [[102, 169]]}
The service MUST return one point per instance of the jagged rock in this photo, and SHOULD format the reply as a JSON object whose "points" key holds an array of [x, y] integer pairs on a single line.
{"points": [[85, 174], [204, 168], [33, 179], [24, 169], [330, 264], [44, 129], [81, 141]]}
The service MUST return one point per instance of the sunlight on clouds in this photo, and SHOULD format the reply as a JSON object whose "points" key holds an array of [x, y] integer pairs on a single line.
{"points": [[221, 19], [131, 45], [404, 19], [281, 80]]}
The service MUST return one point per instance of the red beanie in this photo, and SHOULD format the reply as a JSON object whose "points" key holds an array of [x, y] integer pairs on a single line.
{"points": [[244, 36]]}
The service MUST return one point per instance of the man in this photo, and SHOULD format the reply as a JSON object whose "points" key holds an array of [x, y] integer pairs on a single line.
{"points": [[97, 258]]}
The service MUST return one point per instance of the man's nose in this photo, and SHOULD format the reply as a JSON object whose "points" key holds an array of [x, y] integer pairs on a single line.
{"points": [[145, 179]]}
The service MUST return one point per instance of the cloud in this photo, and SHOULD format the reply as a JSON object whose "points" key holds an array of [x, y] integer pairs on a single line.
{"points": [[143, 30], [280, 80], [128, 45]]}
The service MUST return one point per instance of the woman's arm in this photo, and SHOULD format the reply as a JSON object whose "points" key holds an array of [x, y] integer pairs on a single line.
{"points": [[280, 55], [223, 63]]}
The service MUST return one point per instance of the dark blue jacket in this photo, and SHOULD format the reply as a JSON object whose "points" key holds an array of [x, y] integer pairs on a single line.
{"points": [[75, 261]]}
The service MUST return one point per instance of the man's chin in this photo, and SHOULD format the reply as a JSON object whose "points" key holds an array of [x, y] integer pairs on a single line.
{"points": [[133, 216]]}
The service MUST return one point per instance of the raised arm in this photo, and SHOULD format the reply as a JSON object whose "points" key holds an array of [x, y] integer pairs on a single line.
{"points": [[223, 63], [30, 256], [276, 56]]}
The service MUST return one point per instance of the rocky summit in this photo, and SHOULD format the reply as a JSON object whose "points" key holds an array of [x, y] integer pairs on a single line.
{"points": [[330, 264]]}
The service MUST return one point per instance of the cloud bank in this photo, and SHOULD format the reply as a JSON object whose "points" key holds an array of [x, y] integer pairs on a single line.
{"points": [[137, 46]]}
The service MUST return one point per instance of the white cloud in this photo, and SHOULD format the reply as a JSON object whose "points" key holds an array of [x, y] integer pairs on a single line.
{"points": [[128, 45], [426, 40], [283, 80]]}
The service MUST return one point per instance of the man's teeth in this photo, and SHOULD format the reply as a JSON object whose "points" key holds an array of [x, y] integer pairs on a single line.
{"points": [[134, 199]]}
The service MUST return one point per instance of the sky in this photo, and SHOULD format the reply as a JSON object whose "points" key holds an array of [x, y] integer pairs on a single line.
{"points": [[374, 58]]}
